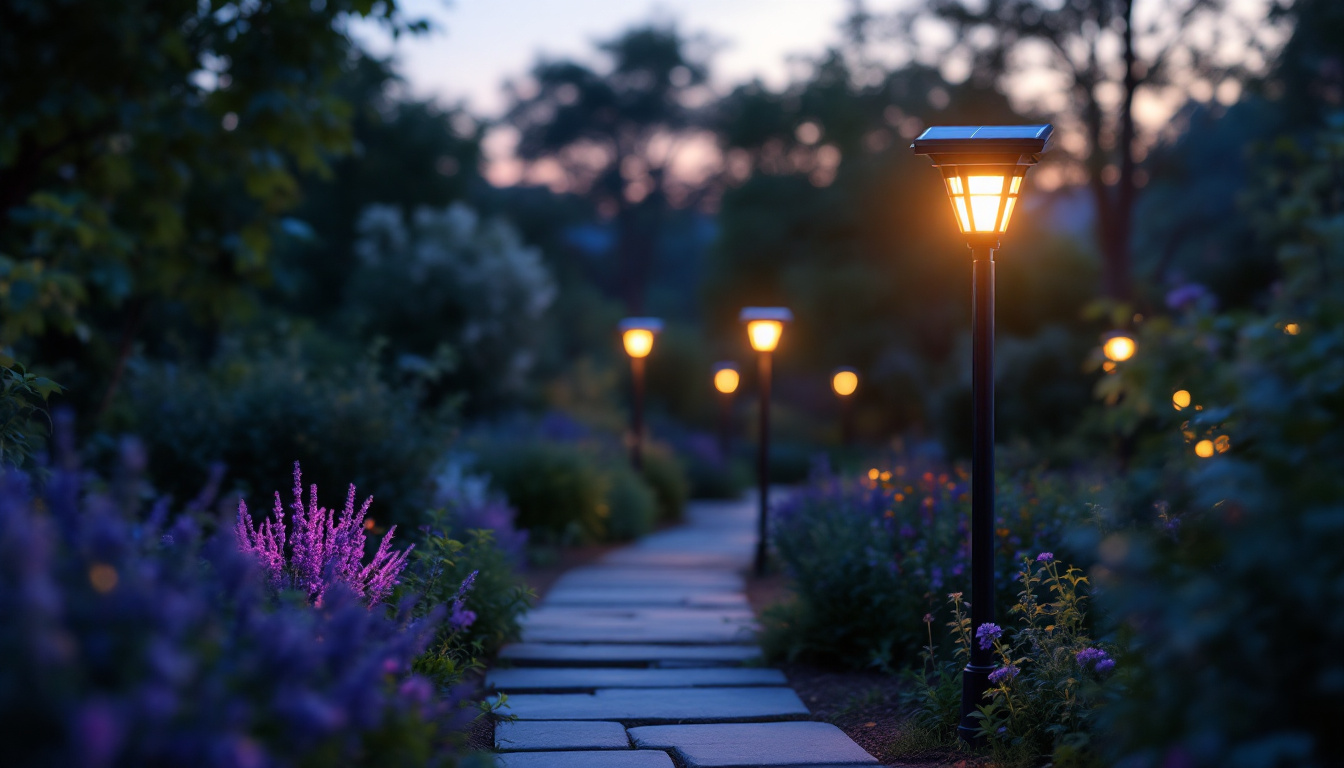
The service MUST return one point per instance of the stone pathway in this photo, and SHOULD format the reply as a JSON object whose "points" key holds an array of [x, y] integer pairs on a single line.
{"points": [[646, 660]]}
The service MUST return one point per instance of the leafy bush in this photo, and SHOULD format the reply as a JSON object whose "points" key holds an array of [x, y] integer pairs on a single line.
{"points": [[1043, 696], [631, 507], [478, 289], [467, 503], [260, 414], [664, 475], [557, 490], [22, 395], [1231, 595], [128, 644], [443, 560], [866, 558]]}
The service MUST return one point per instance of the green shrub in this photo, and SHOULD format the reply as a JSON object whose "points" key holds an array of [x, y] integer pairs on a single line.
{"points": [[632, 507], [558, 490], [441, 561], [866, 558], [259, 414], [1233, 595], [664, 475], [1050, 677]]}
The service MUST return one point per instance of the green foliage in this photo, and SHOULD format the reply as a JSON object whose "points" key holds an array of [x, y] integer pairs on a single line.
{"points": [[664, 474], [1235, 644], [441, 561], [569, 493], [867, 558], [558, 491], [22, 396], [153, 159], [259, 414], [632, 507]]}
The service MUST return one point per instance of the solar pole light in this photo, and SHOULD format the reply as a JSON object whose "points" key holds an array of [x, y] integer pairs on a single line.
{"points": [[726, 379], [637, 335], [765, 326], [983, 169], [845, 382]]}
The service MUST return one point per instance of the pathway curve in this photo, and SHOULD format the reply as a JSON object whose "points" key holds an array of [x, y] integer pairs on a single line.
{"points": [[646, 659]]}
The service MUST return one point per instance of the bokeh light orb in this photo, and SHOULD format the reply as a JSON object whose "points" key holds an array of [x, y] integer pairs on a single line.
{"points": [[638, 342], [764, 334], [1118, 347], [1204, 449], [845, 382], [1180, 399], [726, 380]]}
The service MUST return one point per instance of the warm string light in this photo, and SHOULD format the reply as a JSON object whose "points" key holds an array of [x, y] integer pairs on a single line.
{"points": [[726, 380]]}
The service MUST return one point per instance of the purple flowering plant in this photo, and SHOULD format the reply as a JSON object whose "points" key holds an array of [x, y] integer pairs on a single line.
{"points": [[130, 638], [865, 553], [319, 549]]}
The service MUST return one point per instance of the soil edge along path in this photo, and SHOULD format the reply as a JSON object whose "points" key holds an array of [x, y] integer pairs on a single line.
{"points": [[647, 659]]}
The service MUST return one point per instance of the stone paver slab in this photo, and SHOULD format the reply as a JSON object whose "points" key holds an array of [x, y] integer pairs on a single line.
{"points": [[553, 679], [571, 654], [552, 614], [622, 576], [641, 758], [660, 704], [645, 597], [535, 735], [744, 745], [642, 632]]}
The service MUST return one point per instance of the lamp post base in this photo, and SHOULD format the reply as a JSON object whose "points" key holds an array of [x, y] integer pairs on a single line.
{"points": [[974, 683]]}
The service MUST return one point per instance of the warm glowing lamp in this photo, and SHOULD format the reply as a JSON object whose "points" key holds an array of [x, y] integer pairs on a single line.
{"points": [[764, 327], [637, 335], [845, 381], [1118, 346], [726, 378], [1204, 449], [1180, 399], [983, 168]]}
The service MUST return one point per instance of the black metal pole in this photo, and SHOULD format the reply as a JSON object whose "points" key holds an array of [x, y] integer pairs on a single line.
{"points": [[975, 678], [763, 461], [725, 426], [637, 414], [846, 420]]}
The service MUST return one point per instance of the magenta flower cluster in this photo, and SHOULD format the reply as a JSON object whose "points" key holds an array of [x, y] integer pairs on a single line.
{"points": [[319, 550]]}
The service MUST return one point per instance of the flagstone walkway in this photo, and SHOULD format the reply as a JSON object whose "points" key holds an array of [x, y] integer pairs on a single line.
{"points": [[645, 660]]}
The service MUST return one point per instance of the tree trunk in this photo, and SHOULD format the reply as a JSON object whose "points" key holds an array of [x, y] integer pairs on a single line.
{"points": [[1121, 280]]}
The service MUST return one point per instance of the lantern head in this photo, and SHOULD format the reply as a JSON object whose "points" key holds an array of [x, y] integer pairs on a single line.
{"points": [[637, 335], [765, 325], [983, 168], [845, 381], [726, 377]]}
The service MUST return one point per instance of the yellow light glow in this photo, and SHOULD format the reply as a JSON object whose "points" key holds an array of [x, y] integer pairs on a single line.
{"points": [[984, 211], [1017, 184], [103, 577], [1180, 399], [1108, 366], [986, 185], [764, 334], [726, 380], [954, 185], [1204, 449], [638, 342], [1118, 348], [844, 383], [1007, 214], [873, 473], [1292, 329], [1222, 444], [959, 204]]}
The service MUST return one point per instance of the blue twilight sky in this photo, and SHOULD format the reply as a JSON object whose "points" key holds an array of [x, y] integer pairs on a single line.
{"points": [[481, 43]]}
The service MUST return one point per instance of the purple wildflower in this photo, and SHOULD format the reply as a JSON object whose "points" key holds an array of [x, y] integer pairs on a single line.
{"points": [[461, 618], [987, 633], [928, 618], [1004, 673], [1105, 665], [1089, 656], [1045, 557], [321, 550]]}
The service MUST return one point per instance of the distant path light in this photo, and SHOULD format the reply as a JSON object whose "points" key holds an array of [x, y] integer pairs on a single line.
{"points": [[1204, 449], [845, 381], [1118, 346], [1180, 399], [726, 380]]}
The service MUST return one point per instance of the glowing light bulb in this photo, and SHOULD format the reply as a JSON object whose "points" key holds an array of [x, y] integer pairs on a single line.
{"points": [[764, 334], [1118, 348], [1180, 399], [638, 342], [726, 380], [845, 383], [1204, 449]]}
